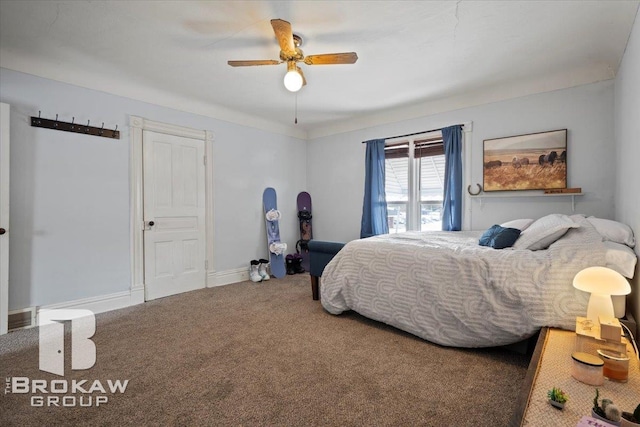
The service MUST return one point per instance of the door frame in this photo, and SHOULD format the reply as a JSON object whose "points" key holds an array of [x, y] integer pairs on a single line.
{"points": [[5, 144], [136, 190]]}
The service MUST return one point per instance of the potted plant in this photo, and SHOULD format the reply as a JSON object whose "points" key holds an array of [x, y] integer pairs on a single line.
{"points": [[631, 419], [606, 410], [557, 397]]}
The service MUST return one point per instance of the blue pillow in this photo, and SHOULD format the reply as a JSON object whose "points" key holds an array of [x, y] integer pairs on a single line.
{"points": [[486, 237], [499, 237], [505, 238]]}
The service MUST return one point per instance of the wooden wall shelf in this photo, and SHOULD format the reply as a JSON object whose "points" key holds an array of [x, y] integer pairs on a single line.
{"points": [[509, 194]]}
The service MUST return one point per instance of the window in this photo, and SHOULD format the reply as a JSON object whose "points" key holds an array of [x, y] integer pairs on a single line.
{"points": [[414, 183]]}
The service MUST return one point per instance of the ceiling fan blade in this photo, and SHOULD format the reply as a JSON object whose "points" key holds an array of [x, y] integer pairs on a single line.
{"points": [[254, 62], [331, 58], [304, 81], [283, 32]]}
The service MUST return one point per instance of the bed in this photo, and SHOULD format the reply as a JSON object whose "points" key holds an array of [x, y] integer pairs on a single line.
{"points": [[446, 288]]}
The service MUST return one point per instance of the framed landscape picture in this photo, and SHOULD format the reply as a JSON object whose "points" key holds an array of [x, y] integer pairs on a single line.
{"points": [[536, 161]]}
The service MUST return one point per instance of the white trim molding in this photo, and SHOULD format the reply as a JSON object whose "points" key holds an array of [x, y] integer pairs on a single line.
{"points": [[208, 215], [227, 277], [136, 203], [137, 125], [467, 161], [135, 296], [4, 215], [102, 303]]}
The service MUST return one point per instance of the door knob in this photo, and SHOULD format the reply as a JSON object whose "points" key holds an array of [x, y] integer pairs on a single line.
{"points": [[2, 231], [151, 223]]}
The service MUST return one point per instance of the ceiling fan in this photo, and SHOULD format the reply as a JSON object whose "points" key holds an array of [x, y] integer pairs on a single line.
{"points": [[291, 53]]}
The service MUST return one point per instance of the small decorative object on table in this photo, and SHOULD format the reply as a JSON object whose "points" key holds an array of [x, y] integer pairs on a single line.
{"points": [[616, 365], [587, 368], [606, 411], [557, 397], [631, 419]]}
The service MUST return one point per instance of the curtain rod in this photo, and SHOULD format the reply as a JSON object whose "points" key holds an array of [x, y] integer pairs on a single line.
{"points": [[415, 133]]}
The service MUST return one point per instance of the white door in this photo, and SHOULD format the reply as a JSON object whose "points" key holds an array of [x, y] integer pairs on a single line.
{"points": [[174, 213], [4, 218]]}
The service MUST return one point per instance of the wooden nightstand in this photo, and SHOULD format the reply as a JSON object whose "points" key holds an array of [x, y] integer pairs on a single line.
{"points": [[551, 367]]}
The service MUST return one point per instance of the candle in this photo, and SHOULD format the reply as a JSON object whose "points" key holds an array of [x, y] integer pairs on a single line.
{"points": [[616, 365]]}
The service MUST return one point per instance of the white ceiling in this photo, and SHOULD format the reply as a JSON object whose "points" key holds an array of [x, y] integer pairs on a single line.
{"points": [[415, 57]]}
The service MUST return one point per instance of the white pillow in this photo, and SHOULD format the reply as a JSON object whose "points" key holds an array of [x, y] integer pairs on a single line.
{"points": [[620, 258], [613, 231], [544, 231], [520, 224]]}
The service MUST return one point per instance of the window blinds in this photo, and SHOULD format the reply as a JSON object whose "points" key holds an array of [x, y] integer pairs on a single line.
{"points": [[426, 147]]}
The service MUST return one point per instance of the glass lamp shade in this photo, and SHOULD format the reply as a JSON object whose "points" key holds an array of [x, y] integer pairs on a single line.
{"points": [[601, 282], [293, 80]]}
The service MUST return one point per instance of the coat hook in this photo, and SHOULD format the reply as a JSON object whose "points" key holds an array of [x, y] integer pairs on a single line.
{"points": [[39, 113], [56, 123], [474, 194], [73, 119], [102, 129]]}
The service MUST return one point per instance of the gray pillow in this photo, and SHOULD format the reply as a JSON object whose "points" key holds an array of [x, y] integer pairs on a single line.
{"points": [[544, 231], [613, 231], [520, 224]]}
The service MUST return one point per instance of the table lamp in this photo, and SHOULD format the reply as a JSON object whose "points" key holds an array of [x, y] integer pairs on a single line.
{"points": [[602, 282]]}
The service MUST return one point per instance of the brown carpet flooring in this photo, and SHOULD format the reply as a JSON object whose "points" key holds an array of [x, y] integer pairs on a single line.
{"points": [[268, 355]]}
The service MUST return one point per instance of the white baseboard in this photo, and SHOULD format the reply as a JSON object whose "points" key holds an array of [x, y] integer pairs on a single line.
{"points": [[102, 303], [227, 277], [137, 295]]}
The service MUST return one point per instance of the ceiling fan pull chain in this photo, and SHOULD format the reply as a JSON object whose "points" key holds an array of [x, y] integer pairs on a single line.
{"points": [[296, 112]]}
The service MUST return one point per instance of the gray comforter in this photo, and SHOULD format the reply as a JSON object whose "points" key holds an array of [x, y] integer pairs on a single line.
{"points": [[445, 288]]}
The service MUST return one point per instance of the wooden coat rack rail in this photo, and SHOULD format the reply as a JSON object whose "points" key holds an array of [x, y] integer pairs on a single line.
{"points": [[75, 127]]}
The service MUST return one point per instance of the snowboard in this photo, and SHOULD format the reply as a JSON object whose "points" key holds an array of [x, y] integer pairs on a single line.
{"points": [[304, 216], [274, 245]]}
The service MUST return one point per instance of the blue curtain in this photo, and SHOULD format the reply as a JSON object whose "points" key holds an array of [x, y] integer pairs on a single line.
{"points": [[452, 205], [374, 207]]}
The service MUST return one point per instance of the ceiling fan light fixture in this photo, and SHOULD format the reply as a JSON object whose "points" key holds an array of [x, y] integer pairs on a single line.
{"points": [[293, 79], [291, 53]]}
